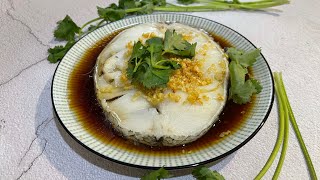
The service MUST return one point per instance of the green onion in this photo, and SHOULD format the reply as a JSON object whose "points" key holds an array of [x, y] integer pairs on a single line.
{"points": [[279, 139], [285, 113], [278, 78], [282, 101]]}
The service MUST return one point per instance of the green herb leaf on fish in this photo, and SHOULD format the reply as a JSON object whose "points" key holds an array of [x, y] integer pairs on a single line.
{"points": [[175, 44], [148, 65]]}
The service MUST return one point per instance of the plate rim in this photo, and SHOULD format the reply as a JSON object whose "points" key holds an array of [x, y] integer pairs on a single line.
{"points": [[172, 167]]}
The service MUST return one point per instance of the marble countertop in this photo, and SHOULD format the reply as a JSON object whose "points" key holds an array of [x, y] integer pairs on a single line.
{"points": [[33, 145]]}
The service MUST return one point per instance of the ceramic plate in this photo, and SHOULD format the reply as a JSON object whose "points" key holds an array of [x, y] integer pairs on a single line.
{"points": [[155, 159]]}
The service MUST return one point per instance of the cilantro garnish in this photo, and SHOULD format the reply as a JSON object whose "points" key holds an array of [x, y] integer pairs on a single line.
{"points": [[203, 173], [199, 173], [127, 4], [66, 29], [242, 86], [69, 31], [111, 14], [148, 66], [57, 53], [157, 175], [186, 2], [174, 43]]}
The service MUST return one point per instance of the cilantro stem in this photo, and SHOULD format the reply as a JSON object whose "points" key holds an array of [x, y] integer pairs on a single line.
{"points": [[99, 24], [296, 128], [87, 23], [133, 10], [156, 65], [161, 61], [137, 64], [286, 126], [190, 8], [222, 5], [160, 67], [279, 139]]}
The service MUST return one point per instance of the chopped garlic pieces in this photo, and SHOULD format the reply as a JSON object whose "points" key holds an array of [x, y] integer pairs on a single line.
{"points": [[226, 133], [189, 78]]}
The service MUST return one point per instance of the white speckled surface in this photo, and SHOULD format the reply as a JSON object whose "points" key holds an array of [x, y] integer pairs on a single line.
{"points": [[33, 144]]}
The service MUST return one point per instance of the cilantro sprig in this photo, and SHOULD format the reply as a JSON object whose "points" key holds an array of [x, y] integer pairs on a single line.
{"points": [[204, 173], [67, 30], [157, 175], [199, 173], [242, 86], [174, 43], [148, 64]]}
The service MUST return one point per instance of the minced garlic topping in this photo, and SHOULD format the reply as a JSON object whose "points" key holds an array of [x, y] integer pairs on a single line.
{"points": [[149, 35], [146, 36], [189, 78], [187, 37], [125, 81], [129, 47], [226, 133]]}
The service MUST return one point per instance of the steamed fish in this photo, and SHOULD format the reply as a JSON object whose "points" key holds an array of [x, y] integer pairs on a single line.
{"points": [[177, 114]]}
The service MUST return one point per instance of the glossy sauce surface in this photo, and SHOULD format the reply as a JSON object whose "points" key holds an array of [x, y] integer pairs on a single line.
{"points": [[83, 102]]}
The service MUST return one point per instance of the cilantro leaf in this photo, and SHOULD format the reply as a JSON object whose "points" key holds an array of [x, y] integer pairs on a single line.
{"points": [[157, 175], [156, 77], [113, 6], [111, 14], [203, 173], [155, 2], [186, 2], [175, 44], [173, 40], [155, 42], [246, 59], [138, 50], [127, 4], [92, 28], [159, 2], [242, 88], [147, 6], [170, 64], [129, 70], [243, 92], [146, 9], [189, 51], [155, 49], [256, 85], [237, 74], [142, 66], [141, 3], [134, 71], [66, 29], [58, 52]]}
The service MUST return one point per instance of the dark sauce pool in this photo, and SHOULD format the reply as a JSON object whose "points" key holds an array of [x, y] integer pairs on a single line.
{"points": [[86, 107]]}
